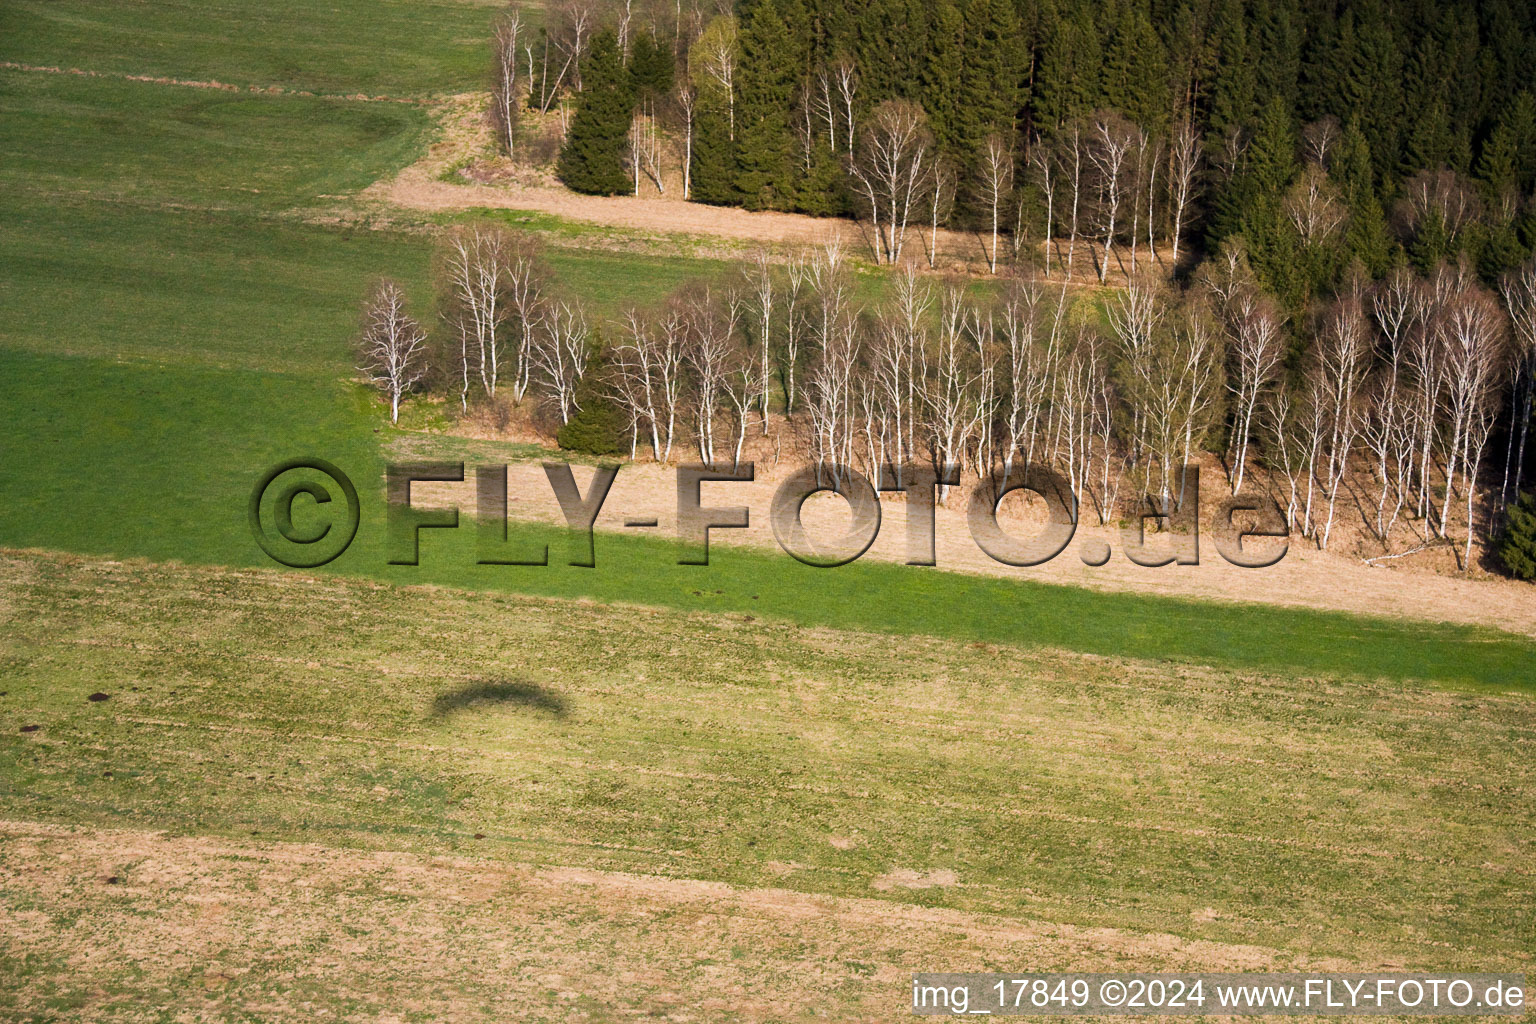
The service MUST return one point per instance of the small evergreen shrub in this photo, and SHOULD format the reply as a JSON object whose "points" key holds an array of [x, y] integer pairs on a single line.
{"points": [[1517, 549], [598, 429]]}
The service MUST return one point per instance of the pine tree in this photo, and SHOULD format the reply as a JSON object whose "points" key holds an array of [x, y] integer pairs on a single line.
{"points": [[1270, 167], [991, 70], [1067, 82], [1276, 40], [1517, 548], [765, 87], [942, 73], [651, 67], [1233, 86], [1430, 144], [1365, 235], [713, 171], [1135, 73], [592, 159]]}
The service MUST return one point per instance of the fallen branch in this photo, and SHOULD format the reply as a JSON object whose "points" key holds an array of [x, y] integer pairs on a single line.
{"points": [[1388, 558]]}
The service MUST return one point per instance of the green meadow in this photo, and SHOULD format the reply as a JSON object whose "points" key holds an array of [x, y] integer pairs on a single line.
{"points": [[162, 357], [180, 272], [389, 47]]}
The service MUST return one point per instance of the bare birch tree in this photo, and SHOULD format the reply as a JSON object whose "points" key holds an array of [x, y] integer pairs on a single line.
{"points": [[831, 395], [941, 203], [1256, 346], [1030, 328], [687, 107], [1071, 144], [714, 55], [995, 185], [1043, 160], [1520, 302], [644, 155], [524, 300], [846, 74], [891, 167], [1172, 378], [1474, 365], [1389, 426], [1183, 179], [953, 406], [711, 354], [506, 94], [1442, 196], [1114, 139], [758, 275], [474, 262], [631, 376], [392, 345], [797, 285], [560, 354], [1314, 207], [1339, 368]]}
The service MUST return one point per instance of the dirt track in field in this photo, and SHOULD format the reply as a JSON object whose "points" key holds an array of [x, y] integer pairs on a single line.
{"points": [[465, 136], [212, 927], [1304, 578]]}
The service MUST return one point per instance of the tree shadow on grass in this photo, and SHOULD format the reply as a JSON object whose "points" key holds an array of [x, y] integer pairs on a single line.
{"points": [[501, 692]]}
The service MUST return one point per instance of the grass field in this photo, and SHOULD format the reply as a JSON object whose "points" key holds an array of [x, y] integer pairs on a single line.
{"points": [[393, 47], [109, 140], [461, 792], [1315, 820]]}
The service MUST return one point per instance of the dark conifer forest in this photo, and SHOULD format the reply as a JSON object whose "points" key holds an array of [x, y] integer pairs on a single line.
{"points": [[1324, 134]]}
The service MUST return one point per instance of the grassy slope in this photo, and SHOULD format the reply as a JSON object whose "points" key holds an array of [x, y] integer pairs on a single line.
{"points": [[107, 139], [158, 358], [395, 47], [142, 343], [1359, 821]]}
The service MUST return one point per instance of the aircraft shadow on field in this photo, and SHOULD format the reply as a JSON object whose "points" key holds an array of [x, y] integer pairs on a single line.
{"points": [[500, 692]]}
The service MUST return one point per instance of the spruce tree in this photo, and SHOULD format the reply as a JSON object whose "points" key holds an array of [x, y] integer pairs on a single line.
{"points": [[941, 77], [1430, 144], [1232, 85], [1431, 243], [1273, 246], [1365, 234], [1368, 71], [991, 68], [1135, 73], [1272, 154], [765, 88], [1508, 159], [1067, 82], [1517, 547], [713, 171], [651, 67], [1496, 163], [592, 159], [1276, 42]]}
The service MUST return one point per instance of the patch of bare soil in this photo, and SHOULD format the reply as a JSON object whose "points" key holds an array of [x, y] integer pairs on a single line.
{"points": [[476, 177], [1420, 586], [113, 923]]}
